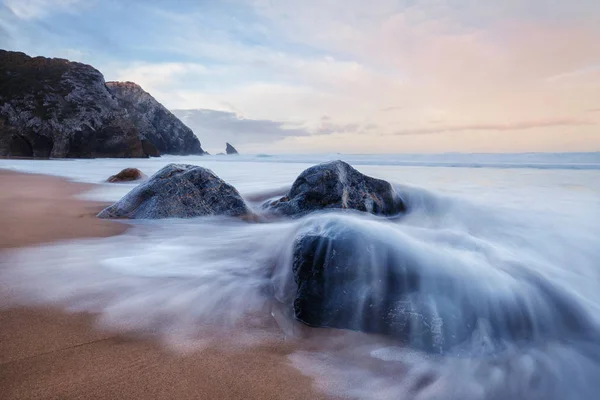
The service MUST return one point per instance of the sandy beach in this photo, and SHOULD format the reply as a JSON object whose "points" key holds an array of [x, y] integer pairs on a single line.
{"points": [[46, 353]]}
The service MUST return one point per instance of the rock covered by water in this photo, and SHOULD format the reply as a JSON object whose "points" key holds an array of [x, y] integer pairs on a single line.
{"points": [[366, 277], [179, 191], [155, 123], [349, 279], [229, 149], [337, 185], [52, 107]]}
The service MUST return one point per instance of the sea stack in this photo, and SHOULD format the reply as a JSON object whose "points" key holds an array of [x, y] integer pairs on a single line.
{"points": [[230, 149]]}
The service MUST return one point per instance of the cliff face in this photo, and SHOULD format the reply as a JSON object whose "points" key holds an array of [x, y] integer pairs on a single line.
{"points": [[155, 123], [52, 107]]}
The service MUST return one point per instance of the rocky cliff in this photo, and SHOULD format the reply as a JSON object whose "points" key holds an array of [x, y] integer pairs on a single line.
{"points": [[156, 124], [52, 107]]}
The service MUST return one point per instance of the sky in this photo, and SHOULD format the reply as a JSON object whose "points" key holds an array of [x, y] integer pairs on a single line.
{"points": [[349, 76]]}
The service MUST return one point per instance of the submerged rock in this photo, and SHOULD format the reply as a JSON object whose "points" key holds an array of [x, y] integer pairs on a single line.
{"points": [[337, 185], [368, 278], [229, 149], [350, 280], [127, 175], [179, 191]]}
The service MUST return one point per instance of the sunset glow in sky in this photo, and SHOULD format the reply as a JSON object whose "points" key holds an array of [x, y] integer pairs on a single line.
{"points": [[379, 76]]}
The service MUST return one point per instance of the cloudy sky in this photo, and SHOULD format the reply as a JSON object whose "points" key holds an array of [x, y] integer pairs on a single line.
{"points": [[359, 76]]}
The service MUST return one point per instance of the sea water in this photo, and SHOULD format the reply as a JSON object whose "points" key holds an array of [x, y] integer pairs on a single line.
{"points": [[518, 231]]}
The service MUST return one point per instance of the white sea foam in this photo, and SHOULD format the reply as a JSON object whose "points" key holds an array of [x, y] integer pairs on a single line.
{"points": [[522, 237]]}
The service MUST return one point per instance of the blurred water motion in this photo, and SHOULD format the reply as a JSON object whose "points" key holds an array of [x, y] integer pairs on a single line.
{"points": [[184, 280]]}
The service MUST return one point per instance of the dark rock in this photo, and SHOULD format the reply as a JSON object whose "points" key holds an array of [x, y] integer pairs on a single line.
{"points": [[149, 149], [15, 144], [60, 109], [350, 280], [127, 175], [51, 107], [362, 277], [179, 191], [229, 149], [20, 147], [337, 185], [157, 125]]}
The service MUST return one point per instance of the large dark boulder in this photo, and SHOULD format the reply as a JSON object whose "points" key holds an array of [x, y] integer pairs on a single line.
{"points": [[230, 149], [334, 185], [363, 276], [179, 191]]}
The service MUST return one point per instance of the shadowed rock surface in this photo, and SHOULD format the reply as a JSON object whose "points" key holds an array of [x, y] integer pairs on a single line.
{"points": [[155, 123], [336, 184], [179, 191], [50, 107], [366, 278], [149, 148], [127, 175], [229, 149], [338, 286]]}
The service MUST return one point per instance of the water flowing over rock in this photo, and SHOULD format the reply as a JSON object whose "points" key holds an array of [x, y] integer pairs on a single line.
{"points": [[338, 185], [52, 107], [338, 287], [155, 123], [370, 280], [179, 191], [229, 149], [127, 175]]}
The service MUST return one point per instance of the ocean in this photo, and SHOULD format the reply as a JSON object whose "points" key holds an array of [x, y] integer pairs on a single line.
{"points": [[511, 234]]}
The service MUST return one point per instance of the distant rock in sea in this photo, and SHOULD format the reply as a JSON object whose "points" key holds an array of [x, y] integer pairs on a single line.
{"points": [[337, 184], [230, 149], [51, 107], [179, 191]]}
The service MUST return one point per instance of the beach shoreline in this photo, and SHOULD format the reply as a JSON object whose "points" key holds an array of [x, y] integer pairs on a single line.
{"points": [[46, 352]]}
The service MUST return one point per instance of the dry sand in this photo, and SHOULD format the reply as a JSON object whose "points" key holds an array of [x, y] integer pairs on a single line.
{"points": [[48, 354]]}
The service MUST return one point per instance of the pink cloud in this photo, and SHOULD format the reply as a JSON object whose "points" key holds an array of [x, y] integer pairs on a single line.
{"points": [[497, 127]]}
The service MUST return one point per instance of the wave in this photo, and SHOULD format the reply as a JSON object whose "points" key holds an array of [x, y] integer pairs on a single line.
{"points": [[550, 161], [501, 270]]}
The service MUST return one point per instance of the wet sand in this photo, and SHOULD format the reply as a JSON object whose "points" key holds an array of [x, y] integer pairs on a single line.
{"points": [[46, 353], [35, 209]]}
